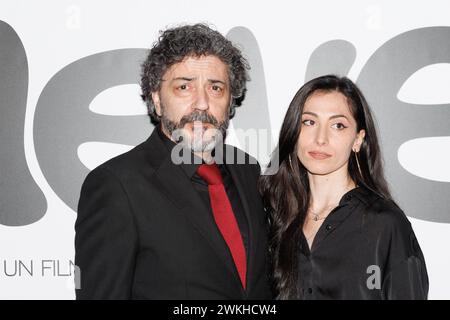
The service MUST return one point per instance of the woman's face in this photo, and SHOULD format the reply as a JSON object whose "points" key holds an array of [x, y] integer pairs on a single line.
{"points": [[328, 133]]}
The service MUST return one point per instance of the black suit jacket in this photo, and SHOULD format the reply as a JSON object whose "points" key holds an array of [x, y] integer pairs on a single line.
{"points": [[143, 232]]}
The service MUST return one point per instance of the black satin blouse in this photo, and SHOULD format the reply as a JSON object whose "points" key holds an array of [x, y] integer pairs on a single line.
{"points": [[364, 249]]}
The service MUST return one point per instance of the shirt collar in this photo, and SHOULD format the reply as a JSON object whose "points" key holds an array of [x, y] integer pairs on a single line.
{"points": [[360, 193]]}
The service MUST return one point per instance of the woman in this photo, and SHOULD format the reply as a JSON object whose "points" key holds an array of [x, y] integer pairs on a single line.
{"points": [[336, 233]]}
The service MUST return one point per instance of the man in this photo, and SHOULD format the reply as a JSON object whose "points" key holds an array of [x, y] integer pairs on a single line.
{"points": [[178, 217]]}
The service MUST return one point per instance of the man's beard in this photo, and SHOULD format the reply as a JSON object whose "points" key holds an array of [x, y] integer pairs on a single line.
{"points": [[198, 140]]}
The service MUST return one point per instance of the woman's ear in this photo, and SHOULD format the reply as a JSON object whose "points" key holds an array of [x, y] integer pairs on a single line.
{"points": [[156, 103], [359, 140]]}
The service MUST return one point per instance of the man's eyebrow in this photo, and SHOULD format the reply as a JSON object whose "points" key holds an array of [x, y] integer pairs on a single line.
{"points": [[190, 79], [216, 81], [183, 78]]}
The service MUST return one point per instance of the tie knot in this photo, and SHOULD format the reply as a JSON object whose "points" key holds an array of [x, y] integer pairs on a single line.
{"points": [[210, 173]]}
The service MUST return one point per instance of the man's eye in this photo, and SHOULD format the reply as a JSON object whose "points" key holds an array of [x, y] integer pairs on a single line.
{"points": [[183, 87], [216, 88], [339, 126], [308, 122]]}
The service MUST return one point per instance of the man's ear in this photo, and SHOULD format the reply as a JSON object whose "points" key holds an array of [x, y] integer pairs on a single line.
{"points": [[157, 102], [359, 140]]}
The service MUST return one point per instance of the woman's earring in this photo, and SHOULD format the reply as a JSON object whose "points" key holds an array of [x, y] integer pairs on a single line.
{"points": [[357, 162]]}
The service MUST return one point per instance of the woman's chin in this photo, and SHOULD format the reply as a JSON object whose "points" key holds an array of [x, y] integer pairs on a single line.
{"points": [[319, 170]]}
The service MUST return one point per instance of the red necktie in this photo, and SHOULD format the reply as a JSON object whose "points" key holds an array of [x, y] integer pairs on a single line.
{"points": [[224, 216]]}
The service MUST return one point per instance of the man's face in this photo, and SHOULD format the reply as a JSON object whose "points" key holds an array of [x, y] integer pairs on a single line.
{"points": [[195, 98]]}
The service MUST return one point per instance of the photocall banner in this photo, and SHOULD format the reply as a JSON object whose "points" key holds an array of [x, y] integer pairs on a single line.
{"points": [[70, 100]]}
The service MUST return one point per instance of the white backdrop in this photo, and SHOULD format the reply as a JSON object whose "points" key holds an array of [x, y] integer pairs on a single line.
{"points": [[57, 33]]}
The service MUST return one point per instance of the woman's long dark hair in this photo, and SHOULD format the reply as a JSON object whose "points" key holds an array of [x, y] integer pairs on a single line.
{"points": [[286, 193]]}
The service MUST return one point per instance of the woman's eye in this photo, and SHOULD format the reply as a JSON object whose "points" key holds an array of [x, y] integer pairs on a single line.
{"points": [[308, 122], [339, 126]]}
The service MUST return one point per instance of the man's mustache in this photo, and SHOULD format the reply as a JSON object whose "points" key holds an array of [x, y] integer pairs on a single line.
{"points": [[201, 116]]}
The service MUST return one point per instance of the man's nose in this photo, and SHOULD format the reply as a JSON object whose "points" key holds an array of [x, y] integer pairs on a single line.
{"points": [[202, 100]]}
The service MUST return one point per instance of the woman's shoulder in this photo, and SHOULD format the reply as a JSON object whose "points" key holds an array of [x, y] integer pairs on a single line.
{"points": [[386, 224], [387, 228], [384, 212]]}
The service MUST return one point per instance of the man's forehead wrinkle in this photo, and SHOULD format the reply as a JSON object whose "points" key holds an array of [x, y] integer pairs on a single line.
{"points": [[202, 64]]}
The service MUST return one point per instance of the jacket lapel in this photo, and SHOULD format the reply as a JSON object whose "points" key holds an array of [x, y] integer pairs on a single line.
{"points": [[244, 189], [174, 183]]}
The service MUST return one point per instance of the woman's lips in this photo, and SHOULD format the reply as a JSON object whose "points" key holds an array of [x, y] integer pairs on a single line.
{"points": [[319, 155]]}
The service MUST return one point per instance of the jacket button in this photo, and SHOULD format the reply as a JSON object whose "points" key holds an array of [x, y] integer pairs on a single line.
{"points": [[309, 290], [328, 227]]}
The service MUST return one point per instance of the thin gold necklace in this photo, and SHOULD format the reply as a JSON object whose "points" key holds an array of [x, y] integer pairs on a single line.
{"points": [[317, 215]]}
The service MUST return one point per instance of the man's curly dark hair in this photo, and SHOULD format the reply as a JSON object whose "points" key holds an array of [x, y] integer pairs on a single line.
{"points": [[175, 44]]}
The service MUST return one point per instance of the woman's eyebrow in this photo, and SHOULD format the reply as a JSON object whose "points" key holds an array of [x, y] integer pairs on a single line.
{"points": [[331, 117], [311, 113], [338, 116]]}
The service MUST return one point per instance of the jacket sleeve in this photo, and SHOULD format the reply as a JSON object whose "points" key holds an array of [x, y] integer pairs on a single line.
{"points": [[105, 239]]}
